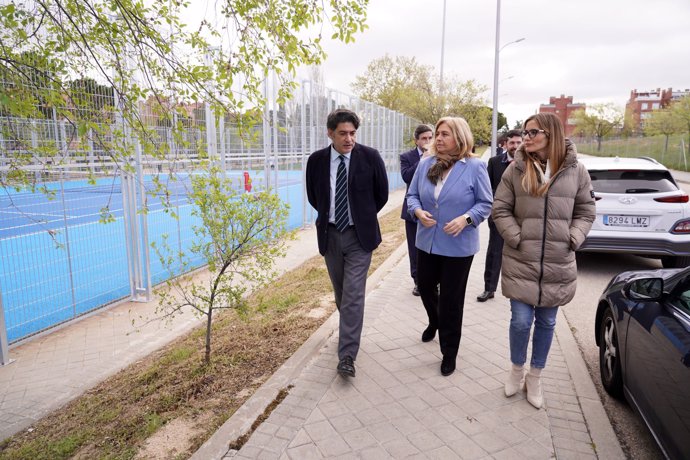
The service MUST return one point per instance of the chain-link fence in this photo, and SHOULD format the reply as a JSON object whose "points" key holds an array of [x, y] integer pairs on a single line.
{"points": [[80, 240], [672, 151]]}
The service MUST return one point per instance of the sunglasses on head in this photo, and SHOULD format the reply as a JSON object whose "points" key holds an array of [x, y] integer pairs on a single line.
{"points": [[532, 132]]}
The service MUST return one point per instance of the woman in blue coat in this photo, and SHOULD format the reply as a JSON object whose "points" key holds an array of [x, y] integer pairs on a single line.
{"points": [[449, 196]]}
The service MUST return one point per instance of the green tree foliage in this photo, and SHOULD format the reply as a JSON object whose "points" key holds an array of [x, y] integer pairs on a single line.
{"points": [[52, 52], [598, 121], [681, 112], [239, 236], [663, 122], [401, 83]]}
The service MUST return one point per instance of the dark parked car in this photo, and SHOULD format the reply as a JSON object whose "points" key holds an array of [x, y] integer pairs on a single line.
{"points": [[643, 334]]}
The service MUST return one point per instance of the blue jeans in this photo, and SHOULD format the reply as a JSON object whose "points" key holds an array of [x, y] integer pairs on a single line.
{"points": [[544, 319]]}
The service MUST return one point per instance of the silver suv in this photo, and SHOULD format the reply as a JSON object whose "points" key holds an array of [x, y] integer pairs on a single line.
{"points": [[640, 210]]}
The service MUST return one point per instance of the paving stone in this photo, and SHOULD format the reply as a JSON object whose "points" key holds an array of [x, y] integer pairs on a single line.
{"points": [[345, 423], [442, 453], [315, 416], [374, 453], [400, 448], [332, 446], [359, 439], [384, 432], [466, 448], [470, 426], [301, 438], [533, 450], [320, 430], [305, 452], [414, 404], [425, 440], [488, 441]]}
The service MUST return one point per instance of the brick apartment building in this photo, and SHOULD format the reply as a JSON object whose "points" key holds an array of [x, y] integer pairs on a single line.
{"points": [[564, 108], [642, 103]]}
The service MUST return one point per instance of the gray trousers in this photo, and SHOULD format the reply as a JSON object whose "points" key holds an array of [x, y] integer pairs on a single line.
{"points": [[347, 265]]}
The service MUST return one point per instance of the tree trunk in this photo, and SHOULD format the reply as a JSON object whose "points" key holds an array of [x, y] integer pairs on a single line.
{"points": [[598, 144], [207, 356]]}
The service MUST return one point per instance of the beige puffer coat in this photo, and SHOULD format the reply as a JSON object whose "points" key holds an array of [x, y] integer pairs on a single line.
{"points": [[541, 234]]}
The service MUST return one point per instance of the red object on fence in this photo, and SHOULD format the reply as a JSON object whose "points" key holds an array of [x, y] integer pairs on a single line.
{"points": [[247, 182]]}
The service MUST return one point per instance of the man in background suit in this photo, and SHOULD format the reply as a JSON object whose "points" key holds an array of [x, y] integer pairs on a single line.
{"points": [[347, 184], [494, 252], [423, 135]]}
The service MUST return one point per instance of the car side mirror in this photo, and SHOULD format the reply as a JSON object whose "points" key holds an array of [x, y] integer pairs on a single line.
{"points": [[648, 289]]}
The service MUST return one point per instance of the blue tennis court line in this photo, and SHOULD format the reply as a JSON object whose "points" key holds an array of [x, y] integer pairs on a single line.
{"points": [[35, 281]]}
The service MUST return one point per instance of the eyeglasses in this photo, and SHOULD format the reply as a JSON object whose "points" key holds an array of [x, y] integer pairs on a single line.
{"points": [[532, 133]]}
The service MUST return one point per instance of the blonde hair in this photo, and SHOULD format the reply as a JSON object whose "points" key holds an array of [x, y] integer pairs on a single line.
{"points": [[555, 153], [461, 133]]}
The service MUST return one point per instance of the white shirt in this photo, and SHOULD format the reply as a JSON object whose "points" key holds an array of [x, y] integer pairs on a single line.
{"points": [[442, 181], [335, 161]]}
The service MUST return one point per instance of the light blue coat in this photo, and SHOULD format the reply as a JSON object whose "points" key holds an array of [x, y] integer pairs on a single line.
{"points": [[467, 191]]}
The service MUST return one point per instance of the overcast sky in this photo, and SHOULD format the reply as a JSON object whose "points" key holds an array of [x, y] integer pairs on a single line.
{"points": [[593, 50]]}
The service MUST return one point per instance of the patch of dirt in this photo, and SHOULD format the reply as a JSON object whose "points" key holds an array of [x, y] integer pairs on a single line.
{"points": [[172, 439]]}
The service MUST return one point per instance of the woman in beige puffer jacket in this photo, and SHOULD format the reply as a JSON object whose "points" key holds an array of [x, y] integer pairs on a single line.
{"points": [[543, 209]]}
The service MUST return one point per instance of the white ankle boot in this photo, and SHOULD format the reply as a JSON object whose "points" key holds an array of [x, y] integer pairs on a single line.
{"points": [[535, 396], [516, 380]]}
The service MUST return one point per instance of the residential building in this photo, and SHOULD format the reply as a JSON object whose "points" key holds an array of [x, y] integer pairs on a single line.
{"points": [[564, 108], [642, 103]]}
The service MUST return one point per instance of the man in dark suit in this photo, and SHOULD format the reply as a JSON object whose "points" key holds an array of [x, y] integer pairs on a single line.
{"points": [[423, 135], [494, 252], [347, 184]]}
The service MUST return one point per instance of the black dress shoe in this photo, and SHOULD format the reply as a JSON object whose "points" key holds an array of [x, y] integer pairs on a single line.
{"points": [[415, 290], [486, 295], [428, 334], [447, 366], [346, 367]]}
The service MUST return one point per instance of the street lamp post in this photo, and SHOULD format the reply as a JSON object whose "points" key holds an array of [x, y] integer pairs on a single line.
{"points": [[443, 43], [494, 111]]}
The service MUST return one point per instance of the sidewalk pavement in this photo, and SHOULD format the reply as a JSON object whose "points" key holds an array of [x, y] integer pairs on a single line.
{"points": [[398, 405]]}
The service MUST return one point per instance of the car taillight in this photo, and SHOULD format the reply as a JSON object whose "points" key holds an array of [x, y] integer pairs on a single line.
{"points": [[673, 199], [682, 227], [597, 198]]}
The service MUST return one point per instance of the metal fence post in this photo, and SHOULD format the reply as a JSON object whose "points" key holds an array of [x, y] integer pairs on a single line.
{"points": [[4, 347], [305, 152]]}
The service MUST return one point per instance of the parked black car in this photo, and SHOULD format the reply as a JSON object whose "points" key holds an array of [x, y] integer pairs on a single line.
{"points": [[643, 334]]}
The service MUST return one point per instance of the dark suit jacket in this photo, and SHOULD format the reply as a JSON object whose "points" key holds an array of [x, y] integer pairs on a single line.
{"points": [[496, 168], [408, 165], [367, 193]]}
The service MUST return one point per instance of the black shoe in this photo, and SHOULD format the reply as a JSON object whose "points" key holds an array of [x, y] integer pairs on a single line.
{"points": [[447, 366], [346, 367], [486, 295], [415, 290], [428, 334]]}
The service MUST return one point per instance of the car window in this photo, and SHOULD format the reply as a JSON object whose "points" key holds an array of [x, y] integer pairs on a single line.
{"points": [[632, 181], [680, 297]]}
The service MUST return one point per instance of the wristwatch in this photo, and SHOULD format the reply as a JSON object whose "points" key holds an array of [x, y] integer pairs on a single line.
{"points": [[468, 219]]}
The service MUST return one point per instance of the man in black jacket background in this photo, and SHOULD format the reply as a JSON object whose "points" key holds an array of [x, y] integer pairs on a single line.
{"points": [[423, 135], [494, 252]]}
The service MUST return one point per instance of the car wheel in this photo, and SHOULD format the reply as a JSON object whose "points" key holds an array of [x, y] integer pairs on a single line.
{"points": [[609, 356], [675, 261]]}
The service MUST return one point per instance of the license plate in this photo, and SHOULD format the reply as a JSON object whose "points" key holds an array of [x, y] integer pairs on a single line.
{"points": [[626, 221]]}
